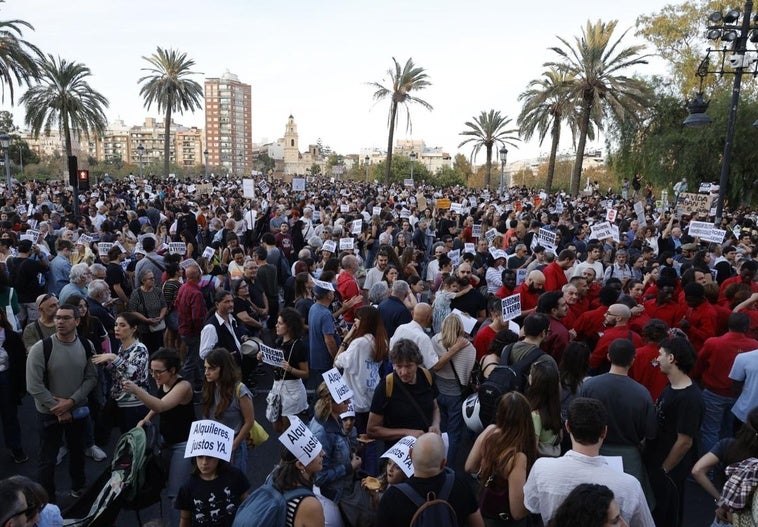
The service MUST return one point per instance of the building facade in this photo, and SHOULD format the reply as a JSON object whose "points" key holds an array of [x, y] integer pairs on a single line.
{"points": [[228, 123]]}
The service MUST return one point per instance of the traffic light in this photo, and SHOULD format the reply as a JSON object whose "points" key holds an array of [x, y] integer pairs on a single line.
{"points": [[83, 179]]}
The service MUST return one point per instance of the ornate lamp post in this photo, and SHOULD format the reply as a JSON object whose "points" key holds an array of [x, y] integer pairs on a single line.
{"points": [[413, 161], [5, 142], [205, 153], [367, 159], [140, 153], [503, 157]]}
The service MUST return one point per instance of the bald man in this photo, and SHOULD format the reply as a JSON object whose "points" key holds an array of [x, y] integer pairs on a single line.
{"points": [[616, 327], [530, 291], [414, 331], [397, 506]]}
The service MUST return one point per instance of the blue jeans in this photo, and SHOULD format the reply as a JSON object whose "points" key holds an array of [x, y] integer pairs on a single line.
{"points": [[717, 420], [451, 421], [179, 470], [239, 459]]}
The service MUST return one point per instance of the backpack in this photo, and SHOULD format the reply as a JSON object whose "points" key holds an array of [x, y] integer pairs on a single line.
{"points": [[267, 507], [503, 379], [208, 289], [389, 381], [435, 510]]}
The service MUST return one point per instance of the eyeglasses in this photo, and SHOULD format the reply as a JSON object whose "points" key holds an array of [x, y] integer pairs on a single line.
{"points": [[157, 372], [29, 512], [609, 314]]}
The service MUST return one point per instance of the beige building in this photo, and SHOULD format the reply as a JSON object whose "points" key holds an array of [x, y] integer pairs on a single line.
{"points": [[228, 123], [286, 152]]}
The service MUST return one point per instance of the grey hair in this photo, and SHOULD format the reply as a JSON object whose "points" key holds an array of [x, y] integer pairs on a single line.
{"points": [[378, 293], [78, 271], [96, 268], [400, 288], [142, 274], [98, 289]]}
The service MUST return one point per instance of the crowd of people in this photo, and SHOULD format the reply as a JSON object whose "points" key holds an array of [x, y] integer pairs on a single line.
{"points": [[148, 300]]}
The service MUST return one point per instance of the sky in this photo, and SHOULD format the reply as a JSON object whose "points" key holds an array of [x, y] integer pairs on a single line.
{"points": [[314, 60]]}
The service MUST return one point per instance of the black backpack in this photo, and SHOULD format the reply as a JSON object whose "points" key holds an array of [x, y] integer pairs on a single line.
{"points": [[503, 379]]}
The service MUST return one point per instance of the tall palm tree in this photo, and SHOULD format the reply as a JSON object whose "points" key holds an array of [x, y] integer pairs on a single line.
{"points": [[169, 87], [486, 130], [64, 99], [595, 61], [409, 78], [18, 58], [547, 104]]}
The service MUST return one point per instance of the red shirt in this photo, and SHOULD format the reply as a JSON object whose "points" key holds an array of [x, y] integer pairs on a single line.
{"points": [[715, 360], [555, 277], [572, 313], [348, 288], [649, 376], [528, 300], [598, 358], [702, 321], [503, 291], [736, 280], [670, 312], [722, 318], [190, 306], [590, 323], [638, 322], [557, 340], [482, 341]]}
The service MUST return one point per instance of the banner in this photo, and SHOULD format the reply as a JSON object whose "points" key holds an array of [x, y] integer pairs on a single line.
{"points": [[691, 203], [706, 232]]}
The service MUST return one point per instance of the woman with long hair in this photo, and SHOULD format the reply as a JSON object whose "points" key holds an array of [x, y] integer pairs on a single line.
{"points": [[226, 400], [453, 371], [588, 505], [128, 364], [170, 288], [289, 376], [389, 276], [502, 455], [303, 296], [90, 327], [544, 397], [291, 474]]}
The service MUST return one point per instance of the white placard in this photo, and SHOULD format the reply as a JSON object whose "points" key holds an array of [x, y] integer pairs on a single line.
{"points": [[559, 206], [300, 441], [177, 248], [248, 188], [103, 248], [455, 257], [490, 234], [377, 211], [408, 182], [639, 208], [316, 215], [357, 226], [456, 207], [601, 231], [271, 356], [337, 386], [472, 201], [511, 306], [615, 233], [209, 438], [706, 232], [346, 244], [208, 253], [469, 248], [34, 234], [21, 209], [149, 189], [263, 186], [120, 247], [521, 276], [546, 238], [400, 454], [189, 262], [611, 215], [467, 320], [704, 187], [85, 239], [344, 208], [298, 184], [329, 245], [29, 237], [323, 285], [405, 213], [476, 230]]}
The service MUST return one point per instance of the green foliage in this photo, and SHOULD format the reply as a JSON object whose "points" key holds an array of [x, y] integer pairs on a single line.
{"points": [[19, 151], [18, 58], [400, 170], [315, 169], [488, 130], [263, 163], [447, 177]]}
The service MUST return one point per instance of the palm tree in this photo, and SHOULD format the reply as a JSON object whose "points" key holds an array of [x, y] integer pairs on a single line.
{"points": [[404, 80], [18, 58], [547, 103], [486, 130], [170, 88], [64, 99], [595, 63]]}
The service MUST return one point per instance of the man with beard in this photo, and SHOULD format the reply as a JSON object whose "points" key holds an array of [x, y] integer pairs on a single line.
{"points": [[699, 321], [553, 305], [616, 327], [594, 260], [374, 274], [486, 334], [472, 302], [530, 292], [746, 276]]}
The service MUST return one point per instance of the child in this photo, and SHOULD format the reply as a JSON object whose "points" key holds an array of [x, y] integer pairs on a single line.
{"points": [[211, 495], [441, 309]]}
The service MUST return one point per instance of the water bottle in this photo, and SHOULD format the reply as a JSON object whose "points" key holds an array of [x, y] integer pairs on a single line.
{"points": [[80, 413]]}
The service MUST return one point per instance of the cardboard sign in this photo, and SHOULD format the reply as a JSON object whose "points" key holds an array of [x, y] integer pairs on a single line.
{"points": [[248, 188], [511, 306], [346, 244], [691, 203], [300, 441], [601, 231], [467, 320], [443, 203], [490, 234], [103, 248], [337, 386], [357, 226], [177, 248], [329, 245], [469, 248], [298, 184], [455, 257], [209, 438], [611, 215], [400, 454], [344, 208], [377, 211], [271, 356], [476, 230], [208, 253]]}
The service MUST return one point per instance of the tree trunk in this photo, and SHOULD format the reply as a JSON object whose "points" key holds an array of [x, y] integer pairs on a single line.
{"points": [[166, 140], [488, 166], [393, 114], [556, 134], [584, 122], [66, 135]]}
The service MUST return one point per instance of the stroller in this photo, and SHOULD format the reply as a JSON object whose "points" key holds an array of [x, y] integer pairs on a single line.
{"points": [[133, 481]]}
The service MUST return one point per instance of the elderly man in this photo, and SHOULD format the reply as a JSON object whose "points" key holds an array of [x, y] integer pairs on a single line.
{"points": [[98, 296], [192, 312], [79, 277], [348, 286], [393, 311], [414, 331]]}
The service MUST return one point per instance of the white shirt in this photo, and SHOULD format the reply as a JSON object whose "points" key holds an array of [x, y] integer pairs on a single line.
{"points": [[552, 479], [361, 373], [209, 337], [414, 332]]}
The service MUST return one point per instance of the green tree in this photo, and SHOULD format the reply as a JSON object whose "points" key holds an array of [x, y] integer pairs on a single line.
{"points": [[19, 152], [487, 130], [168, 86], [400, 170], [546, 106], [447, 177], [596, 62], [18, 58], [403, 81], [64, 99], [462, 165]]}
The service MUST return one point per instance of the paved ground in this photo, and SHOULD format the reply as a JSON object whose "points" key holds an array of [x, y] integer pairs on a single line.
{"points": [[698, 505]]}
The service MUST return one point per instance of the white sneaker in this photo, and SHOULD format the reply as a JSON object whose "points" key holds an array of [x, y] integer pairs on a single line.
{"points": [[96, 453], [62, 451]]}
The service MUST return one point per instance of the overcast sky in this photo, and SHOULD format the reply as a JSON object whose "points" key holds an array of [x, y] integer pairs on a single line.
{"points": [[314, 59]]}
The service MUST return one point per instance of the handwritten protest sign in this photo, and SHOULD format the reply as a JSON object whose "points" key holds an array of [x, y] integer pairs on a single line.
{"points": [[177, 248], [456, 207], [601, 231], [271, 356], [329, 245], [691, 203], [103, 248], [298, 184], [400, 454], [300, 441], [469, 248], [337, 386], [209, 438], [346, 244], [476, 230], [356, 226], [511, 306]]}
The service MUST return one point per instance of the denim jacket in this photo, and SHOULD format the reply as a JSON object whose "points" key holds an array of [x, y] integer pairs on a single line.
{"points": [[336, 478]]}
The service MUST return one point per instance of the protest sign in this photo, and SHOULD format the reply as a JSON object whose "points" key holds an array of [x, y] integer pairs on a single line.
{"points": [[704, 187], [639, 208], [33, 234], [456, 207], [21, 209], [337, 386], [559, 206], [177, 248], [400, 454], [469, 248], [356, 226], [346, 244], [29, 237], [611, 215], [472, 201], [209, 438], [443, 203], [264, 187], [455, 257], [520, 276], [208, 253], [329, 245], [300, 441], [189, 262], [103, 248], [490, 234], [271, 356], [248, 188], [511, 306], [706, 232], [405, 213], [615, 236], [344, 208], [120, 247], [85, 239], [546, 238], [691, 203], [377, 211], [476, 230], [467, 320], [323, 285], [298, 184], [408, 183], [601, 231]]}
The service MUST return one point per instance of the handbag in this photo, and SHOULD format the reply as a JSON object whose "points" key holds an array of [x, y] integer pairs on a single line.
{"points": [[493, 502], [468, 388], [257, 435]]}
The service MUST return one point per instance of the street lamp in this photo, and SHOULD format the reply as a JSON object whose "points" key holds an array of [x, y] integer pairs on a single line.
{"points": [[239, 165], [367, 159], [205, 153], [738, 61], [413, 161], [140, 153], [5, 142], [503, 157]]}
